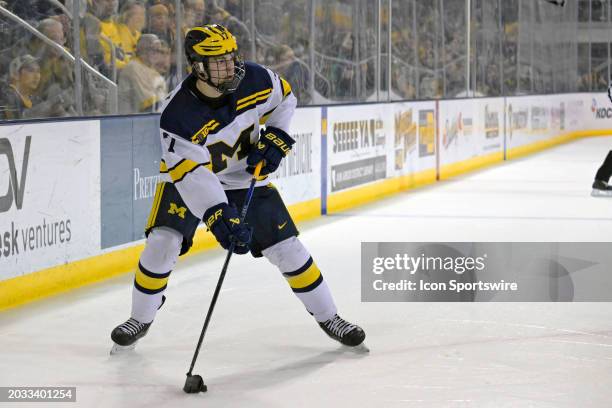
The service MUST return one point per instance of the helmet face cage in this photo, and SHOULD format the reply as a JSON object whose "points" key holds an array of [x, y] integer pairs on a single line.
{"points": [[215, 71]]}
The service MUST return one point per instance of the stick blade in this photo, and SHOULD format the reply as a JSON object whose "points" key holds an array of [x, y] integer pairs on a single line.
{"points": [[194, 384]]}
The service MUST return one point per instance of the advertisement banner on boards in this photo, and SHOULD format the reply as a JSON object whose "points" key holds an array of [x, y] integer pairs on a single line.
{"points": [[414, 140], [50, 201], [130, 155], [530, 119], [359, 139], [298, 178], [596, 111], [470, 128]]}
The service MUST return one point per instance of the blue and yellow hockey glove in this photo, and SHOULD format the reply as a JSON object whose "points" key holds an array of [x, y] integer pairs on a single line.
{"points": [[224, 222], [273, 145]]}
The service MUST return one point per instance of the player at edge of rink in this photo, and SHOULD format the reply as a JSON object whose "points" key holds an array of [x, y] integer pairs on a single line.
{"points": [[211, 143]]}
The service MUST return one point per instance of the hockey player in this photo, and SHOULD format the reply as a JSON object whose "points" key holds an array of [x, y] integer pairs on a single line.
{"points": [[210, 137], [600, 185]]}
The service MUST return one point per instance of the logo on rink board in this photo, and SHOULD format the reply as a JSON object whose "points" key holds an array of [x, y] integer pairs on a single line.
{"points": [[358, 172], [357, 134], [427, 129], [16, 185], [300, 160], [600, 113], [491, 118]]}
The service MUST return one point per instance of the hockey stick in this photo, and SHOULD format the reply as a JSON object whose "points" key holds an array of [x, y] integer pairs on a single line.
{"points": [[194, 382]]}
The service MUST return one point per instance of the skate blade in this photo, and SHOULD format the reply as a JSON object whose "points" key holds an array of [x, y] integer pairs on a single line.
{"points": [[601, 193], [359, 349], [117, 349]]}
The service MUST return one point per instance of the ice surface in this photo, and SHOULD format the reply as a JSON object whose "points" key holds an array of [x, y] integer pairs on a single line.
{"points": [[264, 350]]}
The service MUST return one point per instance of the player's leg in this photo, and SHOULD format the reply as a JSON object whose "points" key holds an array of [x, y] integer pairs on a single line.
{"points": [[303, 276], [170, 231], [600, 185], [307, 283], [275, 237], [156, 262]]}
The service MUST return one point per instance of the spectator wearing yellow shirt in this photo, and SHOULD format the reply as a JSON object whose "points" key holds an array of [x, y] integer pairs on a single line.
{"points": [[131, 23], [99, 27], [141, 87]]}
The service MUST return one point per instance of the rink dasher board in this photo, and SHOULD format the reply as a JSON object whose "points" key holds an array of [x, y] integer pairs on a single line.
{"points": [[50, 204], [409, 144]]}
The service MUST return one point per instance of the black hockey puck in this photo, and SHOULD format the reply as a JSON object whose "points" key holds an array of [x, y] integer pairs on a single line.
{"points": [[194, 384]]}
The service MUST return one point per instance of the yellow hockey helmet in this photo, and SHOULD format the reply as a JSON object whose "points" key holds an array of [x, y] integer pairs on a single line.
{"points": [[210, 41]]}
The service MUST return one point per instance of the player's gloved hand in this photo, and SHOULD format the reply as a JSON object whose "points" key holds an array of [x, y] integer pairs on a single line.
{"points": [[224, 222], [273, 145]]}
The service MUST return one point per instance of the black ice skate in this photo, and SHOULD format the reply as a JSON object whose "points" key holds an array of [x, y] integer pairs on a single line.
{"points": [[127, 334], [601, 189], [344, 332]]}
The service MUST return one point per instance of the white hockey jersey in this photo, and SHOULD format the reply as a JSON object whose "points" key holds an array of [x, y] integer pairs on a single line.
{"points": [[204, 147]]}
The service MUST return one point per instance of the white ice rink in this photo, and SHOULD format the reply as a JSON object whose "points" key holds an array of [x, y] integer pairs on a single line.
{"points": [[264, 350]]}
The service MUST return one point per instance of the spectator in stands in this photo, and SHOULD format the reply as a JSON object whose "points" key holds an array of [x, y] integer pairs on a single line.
{"points": [[218, 15], [141, 87], [195, 13], [493, 80], [56, 86], [109, 28], [402, 82], [159, 23], [65, 20], [295, 72], [100, 36], [430, 88], [169, 4], [16, 96], [54, 30], [165, 67], [131, 23], [342, 75]]}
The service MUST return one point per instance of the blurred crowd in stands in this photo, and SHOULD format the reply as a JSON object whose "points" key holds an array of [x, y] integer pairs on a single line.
{"points": [[134, 57]]}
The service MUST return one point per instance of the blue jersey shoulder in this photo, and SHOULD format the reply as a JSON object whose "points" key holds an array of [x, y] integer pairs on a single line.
{"points": [[175, 117], [256, 79], [185, 115]]}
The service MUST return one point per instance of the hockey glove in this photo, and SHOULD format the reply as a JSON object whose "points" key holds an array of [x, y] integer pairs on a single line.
{"points": [[273, 145], [224, 222]]}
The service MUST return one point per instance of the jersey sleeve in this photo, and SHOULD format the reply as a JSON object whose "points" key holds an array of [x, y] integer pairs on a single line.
{"points": [[281, 104], [188, 166]]}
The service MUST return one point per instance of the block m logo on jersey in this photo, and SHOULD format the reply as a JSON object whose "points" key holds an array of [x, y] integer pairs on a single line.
{"points": [[220, 150], [16, 187], [176, 210]]}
